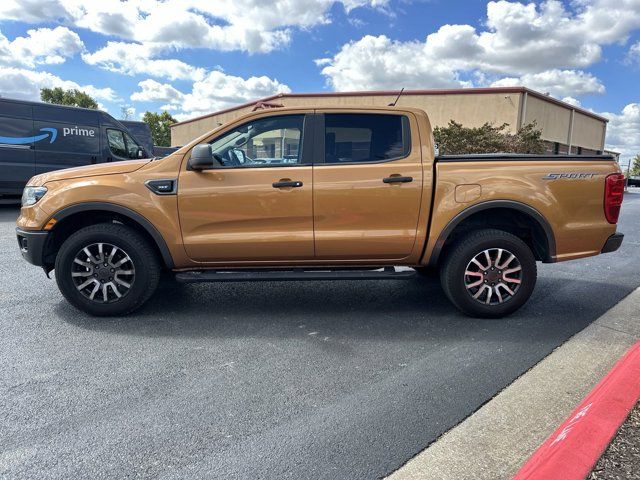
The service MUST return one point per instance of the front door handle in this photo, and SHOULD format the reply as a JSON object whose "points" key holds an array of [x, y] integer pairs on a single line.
{"points": [[287, 183], [397, 179]]}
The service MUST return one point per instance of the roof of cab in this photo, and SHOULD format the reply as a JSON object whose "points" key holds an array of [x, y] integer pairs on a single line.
{"points": [[283, 110]]}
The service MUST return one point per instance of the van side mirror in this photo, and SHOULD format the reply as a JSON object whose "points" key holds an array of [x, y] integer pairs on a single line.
{"points": [[202, 157], [142, 153]]}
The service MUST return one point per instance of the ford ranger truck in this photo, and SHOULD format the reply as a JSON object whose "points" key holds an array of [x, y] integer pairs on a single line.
{"points": [[319, 194]]}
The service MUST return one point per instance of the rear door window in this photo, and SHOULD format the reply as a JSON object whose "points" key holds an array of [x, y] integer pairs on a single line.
{"points": [[365, 138]]}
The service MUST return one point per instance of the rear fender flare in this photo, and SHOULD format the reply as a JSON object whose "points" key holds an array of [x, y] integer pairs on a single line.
{"points": [[505, 204]]}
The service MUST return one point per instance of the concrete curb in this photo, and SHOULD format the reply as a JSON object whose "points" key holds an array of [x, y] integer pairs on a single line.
{"points": [[574, 448], [496, 440]]}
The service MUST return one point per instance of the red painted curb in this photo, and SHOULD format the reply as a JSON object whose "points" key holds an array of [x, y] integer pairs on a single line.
{"points": [[575, 447]]}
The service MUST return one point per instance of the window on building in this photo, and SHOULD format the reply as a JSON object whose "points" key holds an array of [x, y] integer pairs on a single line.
{"points": [[365, 137]]}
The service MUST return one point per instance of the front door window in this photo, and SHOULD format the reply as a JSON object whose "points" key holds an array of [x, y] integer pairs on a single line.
{"points": [[266, 142]]}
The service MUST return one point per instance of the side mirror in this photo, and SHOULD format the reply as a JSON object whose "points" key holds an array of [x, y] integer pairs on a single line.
{"points": [[142, 153], [202, 157]]}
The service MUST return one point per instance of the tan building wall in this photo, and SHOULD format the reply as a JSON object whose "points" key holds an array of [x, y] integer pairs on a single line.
{"points": [[588, 132], [557, 125], [470, 107], [552, 119]]}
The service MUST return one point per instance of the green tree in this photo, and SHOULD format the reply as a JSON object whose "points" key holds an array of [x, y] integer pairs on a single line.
{"points": [[454, 139], [528, 139], [73, 97], [159, 125], [635, 166]]}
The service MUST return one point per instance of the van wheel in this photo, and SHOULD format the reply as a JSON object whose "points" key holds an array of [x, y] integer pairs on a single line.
{"points": [[488, 273], [107, 269]]}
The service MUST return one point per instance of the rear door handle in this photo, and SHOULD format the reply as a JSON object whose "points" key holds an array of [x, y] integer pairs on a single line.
{"points": [[397, 179], [287, 183]]}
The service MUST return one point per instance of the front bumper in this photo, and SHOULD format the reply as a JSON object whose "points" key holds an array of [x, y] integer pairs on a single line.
{"points": [[613, 243], [32, 243]]}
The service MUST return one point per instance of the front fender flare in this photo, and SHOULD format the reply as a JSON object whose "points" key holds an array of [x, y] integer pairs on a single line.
{"points": [[125, 212]]}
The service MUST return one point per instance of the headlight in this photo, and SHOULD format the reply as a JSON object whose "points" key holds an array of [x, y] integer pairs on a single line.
{"points": [[31, 195]]}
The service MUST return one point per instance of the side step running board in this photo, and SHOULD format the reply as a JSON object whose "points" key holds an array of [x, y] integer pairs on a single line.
{"points": [[297, 274]]}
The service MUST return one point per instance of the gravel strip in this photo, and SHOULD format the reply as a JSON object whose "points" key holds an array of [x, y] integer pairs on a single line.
{"points": [[621, 460]]}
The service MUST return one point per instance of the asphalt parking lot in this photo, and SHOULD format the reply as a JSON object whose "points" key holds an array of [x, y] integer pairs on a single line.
{"points": [[268, 380]]}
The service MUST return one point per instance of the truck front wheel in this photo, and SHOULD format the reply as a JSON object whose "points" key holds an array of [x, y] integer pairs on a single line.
{"points": [[107, 269], [488, 273]]}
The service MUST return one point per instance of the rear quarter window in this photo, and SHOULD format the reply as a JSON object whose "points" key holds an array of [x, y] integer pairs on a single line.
{"points": [[363, 138]]}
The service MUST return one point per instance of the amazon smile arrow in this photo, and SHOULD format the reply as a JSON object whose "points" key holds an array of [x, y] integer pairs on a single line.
{"points": [[52, 132]]}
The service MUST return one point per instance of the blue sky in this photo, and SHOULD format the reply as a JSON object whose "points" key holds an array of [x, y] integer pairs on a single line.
{"points": [[196, 56]]}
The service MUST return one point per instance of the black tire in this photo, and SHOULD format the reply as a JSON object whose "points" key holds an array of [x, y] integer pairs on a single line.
{"points": [[426, 272], [459, 256], [132, 244]]}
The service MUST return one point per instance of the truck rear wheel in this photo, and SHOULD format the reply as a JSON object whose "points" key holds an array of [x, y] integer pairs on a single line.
{"points": [[107, 269], [488, 273]]}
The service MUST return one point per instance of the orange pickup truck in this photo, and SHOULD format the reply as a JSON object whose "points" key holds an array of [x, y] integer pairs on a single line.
{"points": [[319, 194]]}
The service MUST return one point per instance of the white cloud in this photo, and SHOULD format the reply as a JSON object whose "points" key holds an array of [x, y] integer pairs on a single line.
{"points": [[249, 25], [633, 55], [153, 91], [219, 90], [622, 131], [380, 63], [34, 11], [215, 91], [545, 44], [558, 83], [572, 101], [26, 84], [40, 46], [137, 59]]}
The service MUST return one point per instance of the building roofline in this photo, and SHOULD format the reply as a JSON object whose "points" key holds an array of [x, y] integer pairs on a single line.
{"points": [[377, 93]]}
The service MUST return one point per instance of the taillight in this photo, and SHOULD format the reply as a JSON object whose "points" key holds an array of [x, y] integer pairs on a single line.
{"points": [[613, 193]]}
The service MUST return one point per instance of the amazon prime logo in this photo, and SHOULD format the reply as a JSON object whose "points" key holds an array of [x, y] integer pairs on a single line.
{"points": [[569, 176], [80, 132], [50, 133]]}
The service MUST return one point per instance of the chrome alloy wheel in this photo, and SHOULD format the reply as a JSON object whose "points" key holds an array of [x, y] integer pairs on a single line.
{"points": [[493, 276], [102, 272]]}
